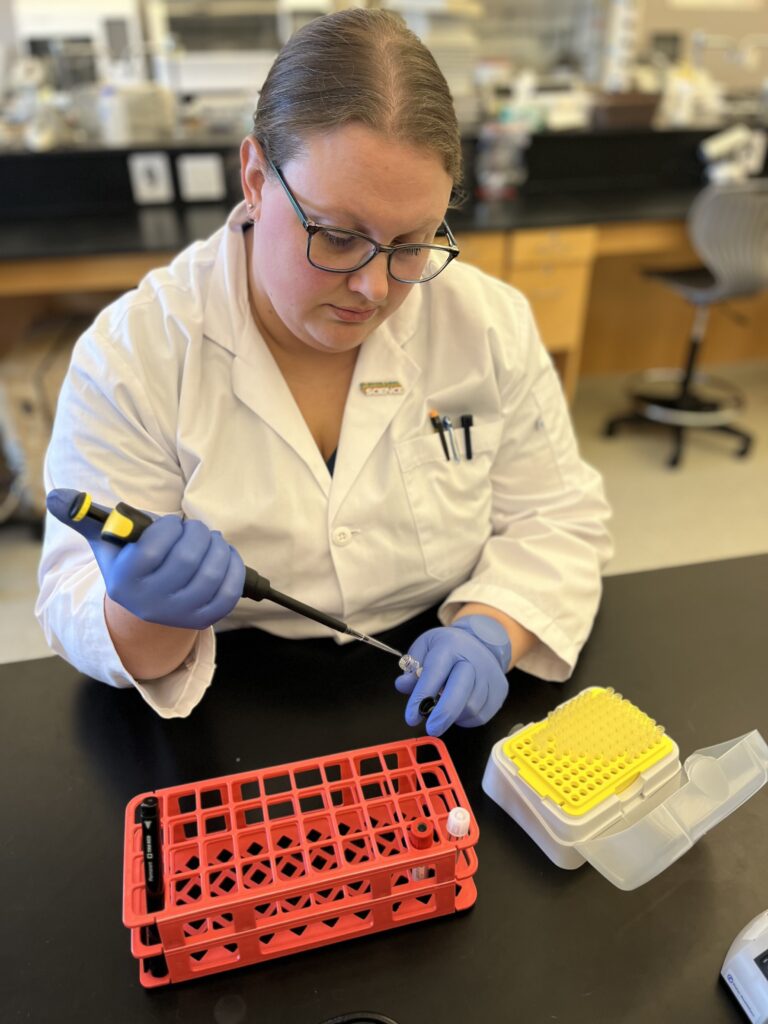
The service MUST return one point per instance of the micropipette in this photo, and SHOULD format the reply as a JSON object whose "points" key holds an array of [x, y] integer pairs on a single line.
{"points": [[124, 524]]}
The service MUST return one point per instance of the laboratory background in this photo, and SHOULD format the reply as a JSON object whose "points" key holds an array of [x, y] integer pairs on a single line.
{"points": [[615, 173], [590, 127]]}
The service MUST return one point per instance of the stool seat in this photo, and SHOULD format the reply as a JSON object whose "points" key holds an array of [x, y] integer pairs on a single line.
{"points": [[728, 225], [697, 285]]}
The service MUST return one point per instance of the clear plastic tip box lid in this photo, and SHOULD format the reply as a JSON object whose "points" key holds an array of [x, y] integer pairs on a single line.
{"points": [[600, 781]]}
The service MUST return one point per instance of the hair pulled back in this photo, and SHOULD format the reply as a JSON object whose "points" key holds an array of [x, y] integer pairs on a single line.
{"points": [[357, 66]]}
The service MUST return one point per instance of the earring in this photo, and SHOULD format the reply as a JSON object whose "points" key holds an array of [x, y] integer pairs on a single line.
{"points": [[251, 207]]}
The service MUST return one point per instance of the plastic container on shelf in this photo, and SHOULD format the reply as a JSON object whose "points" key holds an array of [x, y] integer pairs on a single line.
{"points": [[266, 863], [600, 781]]}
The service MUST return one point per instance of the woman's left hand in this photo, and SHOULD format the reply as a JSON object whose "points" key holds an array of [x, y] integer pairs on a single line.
{"points": [[463, 668]]}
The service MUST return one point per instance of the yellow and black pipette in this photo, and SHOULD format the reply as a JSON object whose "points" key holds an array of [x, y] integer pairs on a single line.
{"points": [[124, 524]]}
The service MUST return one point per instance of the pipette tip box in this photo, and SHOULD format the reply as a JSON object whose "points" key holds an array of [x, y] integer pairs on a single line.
{"points": [[598, 780], [266, 863]]}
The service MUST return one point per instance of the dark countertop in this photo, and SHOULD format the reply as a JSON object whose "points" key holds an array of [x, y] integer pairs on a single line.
{"points": [[540, 945], [170, 228]]}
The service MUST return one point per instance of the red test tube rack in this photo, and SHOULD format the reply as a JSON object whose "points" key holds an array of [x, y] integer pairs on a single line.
{"points": [[266, 863]]}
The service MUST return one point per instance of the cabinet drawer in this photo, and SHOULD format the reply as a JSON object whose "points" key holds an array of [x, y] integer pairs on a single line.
{"points": [[484, 249], [558, 297], [553, 245]]}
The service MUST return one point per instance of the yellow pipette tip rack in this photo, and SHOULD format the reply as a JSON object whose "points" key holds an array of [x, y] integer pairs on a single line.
{"points": [[588, 749]]}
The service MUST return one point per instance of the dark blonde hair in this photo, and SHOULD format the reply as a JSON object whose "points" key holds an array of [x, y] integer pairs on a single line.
{"points": [[357, 66]]}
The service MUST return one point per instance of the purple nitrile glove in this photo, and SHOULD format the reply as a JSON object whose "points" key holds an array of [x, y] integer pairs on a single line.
{"points": [[178, 573], [463, 668]]}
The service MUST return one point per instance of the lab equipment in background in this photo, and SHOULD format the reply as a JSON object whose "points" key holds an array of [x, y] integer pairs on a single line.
{"points": [[690, 97], [198, 49], [266, 863], [31, 104], [136, 113], [499, 161], [105, 36], [745, 970], [556, 102], [600, 781], [734, 154], [124, 525], [294, 14], [449, 29], [225, 113], [620, 44], [500, 164], [528, 103]]}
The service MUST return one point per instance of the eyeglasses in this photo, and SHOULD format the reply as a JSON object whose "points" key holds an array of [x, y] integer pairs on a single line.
{"points": [[342, 251]]}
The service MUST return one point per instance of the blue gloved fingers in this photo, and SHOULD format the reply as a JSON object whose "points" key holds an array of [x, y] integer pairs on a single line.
{"points": [[468, 665], [406, 682], [127, 574], [436, 668], [477, 710], [422, 643], [183, 560], [202, 587], [457, 693], [226, 597], [144, 556]]}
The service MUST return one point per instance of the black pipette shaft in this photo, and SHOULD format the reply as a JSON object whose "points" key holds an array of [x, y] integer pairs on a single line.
{"points": [[133, 523]]}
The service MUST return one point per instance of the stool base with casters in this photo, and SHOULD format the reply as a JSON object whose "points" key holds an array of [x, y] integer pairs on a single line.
{"points": [[671, 398], [728, 227]]}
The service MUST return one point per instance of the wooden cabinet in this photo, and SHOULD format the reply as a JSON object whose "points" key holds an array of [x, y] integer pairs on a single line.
{"points": [[544, 246], [486, 250], [553, 269]]}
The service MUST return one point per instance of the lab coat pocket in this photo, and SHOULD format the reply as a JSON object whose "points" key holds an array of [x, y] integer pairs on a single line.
{"points": [[450, 501]]}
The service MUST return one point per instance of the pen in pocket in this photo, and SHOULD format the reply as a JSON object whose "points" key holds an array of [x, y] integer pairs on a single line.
{"points": [[437, 423], [447, 423]]}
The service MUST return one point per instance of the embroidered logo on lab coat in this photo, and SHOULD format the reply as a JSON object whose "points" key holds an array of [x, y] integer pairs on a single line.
{"points": [[381, 387]]}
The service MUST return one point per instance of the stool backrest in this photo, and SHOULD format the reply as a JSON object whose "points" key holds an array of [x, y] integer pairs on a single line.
{"points": [[728, 226]]}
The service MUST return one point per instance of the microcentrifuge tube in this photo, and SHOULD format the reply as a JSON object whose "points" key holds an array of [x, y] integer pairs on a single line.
{"points": [[409, 664]]}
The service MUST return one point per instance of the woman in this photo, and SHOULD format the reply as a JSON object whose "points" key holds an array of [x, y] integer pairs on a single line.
{"points": [[278, 383]]}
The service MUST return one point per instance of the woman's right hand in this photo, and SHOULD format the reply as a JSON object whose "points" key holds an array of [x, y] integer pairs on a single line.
{"points": [[178, 573]]}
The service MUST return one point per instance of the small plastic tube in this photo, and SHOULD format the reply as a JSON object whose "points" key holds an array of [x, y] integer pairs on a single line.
{"points": [[458, 822], [409, 664]]}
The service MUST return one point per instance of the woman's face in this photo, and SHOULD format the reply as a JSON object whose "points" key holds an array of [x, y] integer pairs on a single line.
{"points": [[349, 178]]}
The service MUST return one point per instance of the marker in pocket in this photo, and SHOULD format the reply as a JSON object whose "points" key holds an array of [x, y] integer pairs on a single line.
{"points": [[467, 422]]}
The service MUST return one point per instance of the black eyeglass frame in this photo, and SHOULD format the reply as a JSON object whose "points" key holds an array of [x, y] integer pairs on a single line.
{"points": [[312, 228]]}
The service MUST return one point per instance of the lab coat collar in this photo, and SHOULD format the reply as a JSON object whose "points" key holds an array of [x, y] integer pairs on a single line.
{"points": [[258, 383], [226, 312]]}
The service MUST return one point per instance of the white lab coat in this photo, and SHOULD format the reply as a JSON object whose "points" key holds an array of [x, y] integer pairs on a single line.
{"points": [[174, 404]]}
